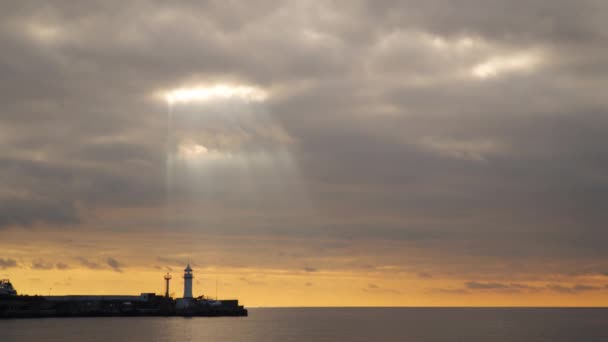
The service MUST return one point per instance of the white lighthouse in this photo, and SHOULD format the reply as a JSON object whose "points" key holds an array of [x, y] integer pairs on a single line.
{"points": [[188, 282]]}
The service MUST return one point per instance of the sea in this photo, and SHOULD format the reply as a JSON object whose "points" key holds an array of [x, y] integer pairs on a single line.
{"points": [[328, 324]]}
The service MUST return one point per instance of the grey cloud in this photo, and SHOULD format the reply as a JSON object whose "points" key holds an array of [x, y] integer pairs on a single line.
{"points": [[486, 286], [89, 264], [26, 212], [528, 21], [166, 268], [310, 269], [7, 263], [62, 266], [373, 288], [517, 287], [174, 261], [514, 287], [114, 264], [578, 288], [389, 137], [58, 192], [41, 265]]}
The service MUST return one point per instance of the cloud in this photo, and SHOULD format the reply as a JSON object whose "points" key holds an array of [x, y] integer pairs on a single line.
{"points": [[89, 264], [7, 263], [41, 265], [166, 268], [473, 285], [575, 289], [173, 261], [373, 288], [516, 288], [62, 266], [351, 146], [310, 269], [26, 212], [114, 264]]}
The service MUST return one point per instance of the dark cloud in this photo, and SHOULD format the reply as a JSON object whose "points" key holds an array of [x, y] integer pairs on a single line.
{"points": [[373, 288], [310, 269], [536, 20], [510, 287], [376, 127], [89, 264], [114, 264], [486, 286], [179, 262], [62, 266], [26, 212], [516, 288], [41, 265], [7, 263], [578, 288]]}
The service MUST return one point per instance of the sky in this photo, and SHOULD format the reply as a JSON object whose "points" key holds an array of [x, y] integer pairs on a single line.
{"points": [[307, 153]]}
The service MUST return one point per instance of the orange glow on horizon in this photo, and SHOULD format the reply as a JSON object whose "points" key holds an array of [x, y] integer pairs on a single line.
{"points": [[54, 263], [263, 288]]}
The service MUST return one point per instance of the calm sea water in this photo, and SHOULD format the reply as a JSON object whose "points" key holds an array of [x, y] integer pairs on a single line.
{"points": [[328, 324]]}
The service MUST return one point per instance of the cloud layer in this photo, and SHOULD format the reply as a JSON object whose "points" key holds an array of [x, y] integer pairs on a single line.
{"points": [[473, 132]]}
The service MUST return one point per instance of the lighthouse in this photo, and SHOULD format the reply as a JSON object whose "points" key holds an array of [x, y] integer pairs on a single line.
{"points": [[188, 282]]}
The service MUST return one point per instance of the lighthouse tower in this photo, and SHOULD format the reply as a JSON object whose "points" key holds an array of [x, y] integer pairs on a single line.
{"points": [[188, 282]]}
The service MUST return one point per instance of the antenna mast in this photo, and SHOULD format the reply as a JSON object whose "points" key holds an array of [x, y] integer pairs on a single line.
{"points": [[167, 279]]}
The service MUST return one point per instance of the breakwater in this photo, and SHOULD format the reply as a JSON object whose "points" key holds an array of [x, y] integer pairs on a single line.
{"points": [[147, 304]]}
